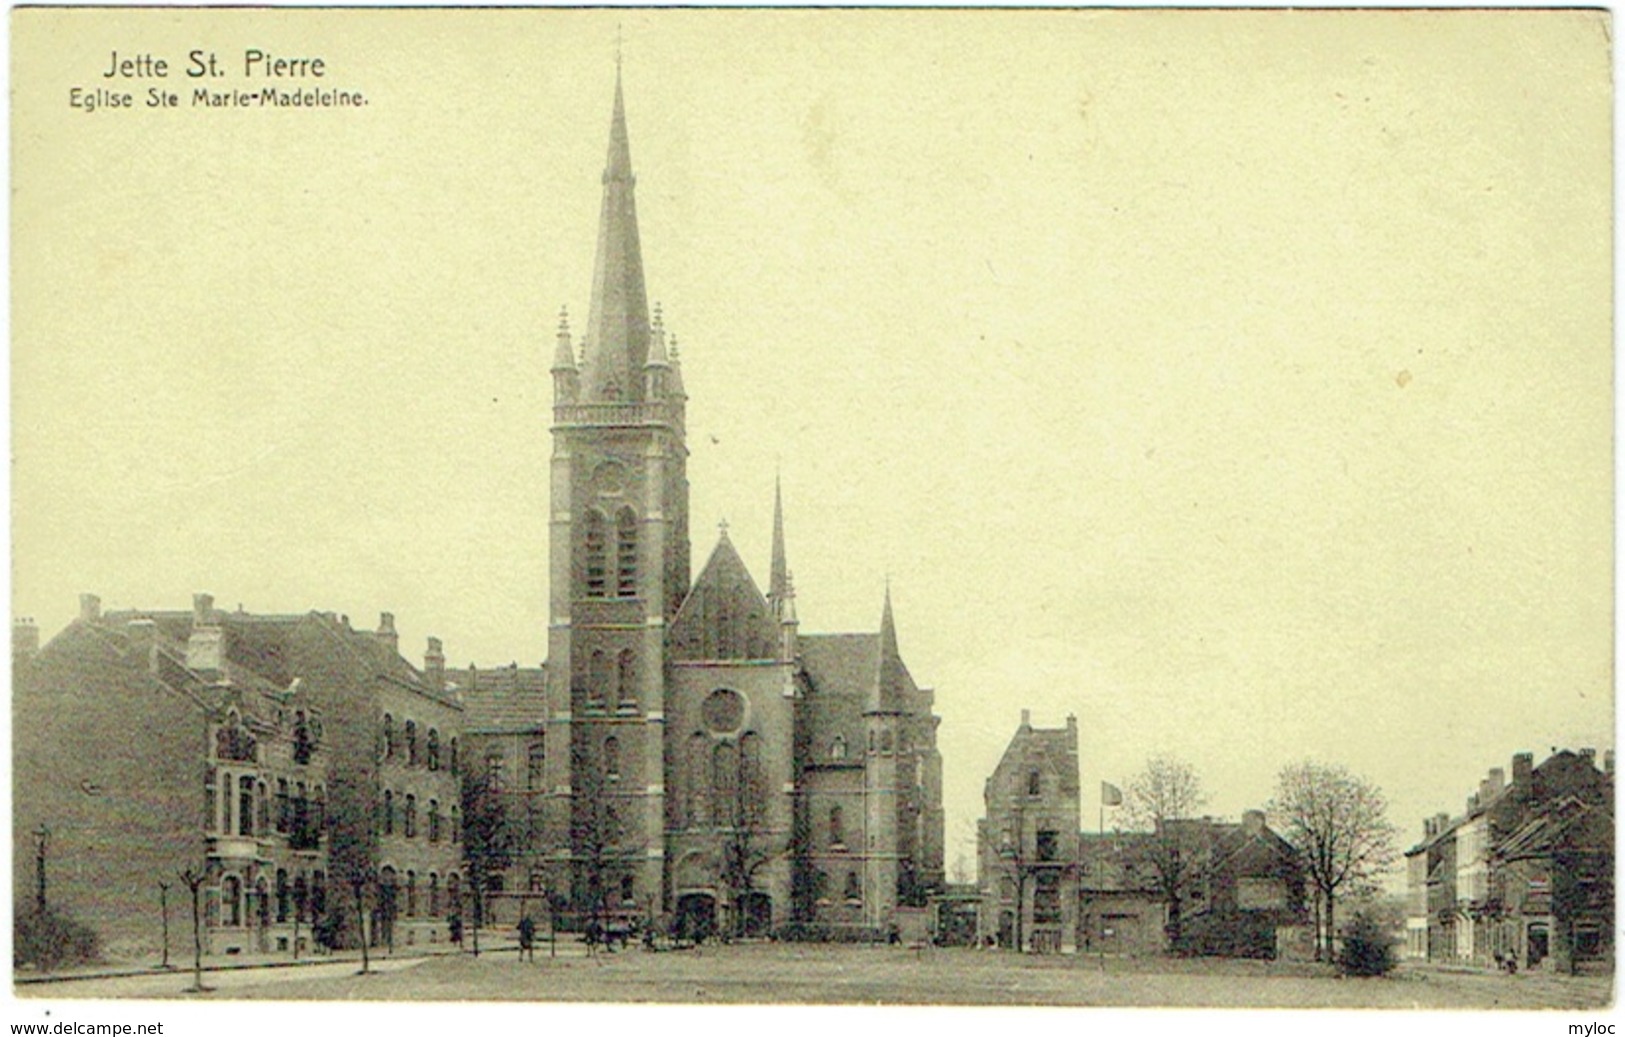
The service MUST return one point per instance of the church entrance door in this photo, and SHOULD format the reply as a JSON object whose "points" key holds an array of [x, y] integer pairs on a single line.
{"points": [[696, 916]]}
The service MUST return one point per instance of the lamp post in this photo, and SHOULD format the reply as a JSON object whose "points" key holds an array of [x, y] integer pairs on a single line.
{"points": [[42, 838]]}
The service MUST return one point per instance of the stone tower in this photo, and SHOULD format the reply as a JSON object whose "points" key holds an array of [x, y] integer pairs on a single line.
{"points": [[619, 567], [882, 717]]}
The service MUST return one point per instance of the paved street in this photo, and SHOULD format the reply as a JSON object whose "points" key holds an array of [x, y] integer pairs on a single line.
{"points": [[869, 975]]}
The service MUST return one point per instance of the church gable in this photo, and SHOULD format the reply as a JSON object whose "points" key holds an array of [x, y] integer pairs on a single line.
{"points": [[725, 616]]}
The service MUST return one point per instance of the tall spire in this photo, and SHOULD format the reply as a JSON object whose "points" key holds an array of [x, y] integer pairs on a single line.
{"points": [[779, 580], [618, 319], [888, 628]]}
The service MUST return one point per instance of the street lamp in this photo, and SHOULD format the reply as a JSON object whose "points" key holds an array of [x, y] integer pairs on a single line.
{"points": [[42, 838]]}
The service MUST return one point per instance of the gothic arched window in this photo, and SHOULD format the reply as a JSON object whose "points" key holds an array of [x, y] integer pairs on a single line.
{"points": [[1034, 783], [752, 800], [388, 824], [231, 901], [434, 749], [854, 888], [536, 767], [626, 677], [626, 554], [303, 743], [597, 678], [698, 812], [724, 779], [389, 736], [434, 895], [411, 743], [597, 554], [612, 758], [837, 829], [434, 820], [409, 818]]}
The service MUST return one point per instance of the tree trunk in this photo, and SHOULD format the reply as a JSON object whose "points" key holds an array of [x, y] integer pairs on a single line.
{"points": [[197, 936], [1331, 928], [361, 929]]}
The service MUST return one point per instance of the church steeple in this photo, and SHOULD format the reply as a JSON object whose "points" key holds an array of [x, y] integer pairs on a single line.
{"points": [[618, 318], [779, 579]]}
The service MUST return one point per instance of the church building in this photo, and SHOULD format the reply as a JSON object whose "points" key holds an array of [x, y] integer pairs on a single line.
{"points": [[689, 753]]}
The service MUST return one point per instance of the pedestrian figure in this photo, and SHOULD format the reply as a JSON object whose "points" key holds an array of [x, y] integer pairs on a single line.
{"points": [[527, 939], [455, 922]]}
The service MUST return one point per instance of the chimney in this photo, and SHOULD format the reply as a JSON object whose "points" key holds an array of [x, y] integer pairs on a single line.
{"points": [[1472, 804], [90, 608], [24, 640], [1589, 756], [206, 648], [1523, 770], [1608, 762], [1252, 822], [434, 664], [1428, 829], [1498, 780], [386, 632], [1026, 719], [1440, 823]]}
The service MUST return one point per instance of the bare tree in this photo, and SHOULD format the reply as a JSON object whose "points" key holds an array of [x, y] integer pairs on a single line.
{"points": [[194, 877], [1338, 821], [747, 847], [489, 840], [1157, 799], [595, 835]]}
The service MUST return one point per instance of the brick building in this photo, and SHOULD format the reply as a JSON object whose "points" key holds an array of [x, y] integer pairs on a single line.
{"points": [[1028, 842], [255, 749], [1046, 887], [1525, 873]]}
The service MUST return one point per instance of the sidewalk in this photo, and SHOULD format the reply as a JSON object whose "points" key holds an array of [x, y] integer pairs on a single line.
{"points": [[491, 942]]}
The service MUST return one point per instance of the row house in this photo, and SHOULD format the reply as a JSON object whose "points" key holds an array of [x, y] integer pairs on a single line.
{"points": [[274, 758], [1524, 874]]}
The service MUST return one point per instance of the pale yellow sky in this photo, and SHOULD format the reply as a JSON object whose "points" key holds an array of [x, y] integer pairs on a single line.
{"points": [[1240, 382]]}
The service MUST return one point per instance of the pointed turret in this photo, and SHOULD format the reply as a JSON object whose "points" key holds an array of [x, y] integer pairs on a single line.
{"points": [[778, 578], [618, 320], [566, 379], [891, 677], [656, 368], [781, 595]]}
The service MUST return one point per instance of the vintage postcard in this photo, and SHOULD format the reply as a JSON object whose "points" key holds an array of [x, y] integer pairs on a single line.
{"points": [[1087, 508]]}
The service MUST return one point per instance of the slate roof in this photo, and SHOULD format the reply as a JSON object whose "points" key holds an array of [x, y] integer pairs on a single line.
{"points": [[504, 700]]}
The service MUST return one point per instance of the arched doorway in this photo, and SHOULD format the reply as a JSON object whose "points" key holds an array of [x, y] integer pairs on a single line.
{"points": [[756, 908], [696, 917]]}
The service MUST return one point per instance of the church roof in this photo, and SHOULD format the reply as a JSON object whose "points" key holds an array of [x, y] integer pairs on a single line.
{"points": [[503, 700], [725, 615]]}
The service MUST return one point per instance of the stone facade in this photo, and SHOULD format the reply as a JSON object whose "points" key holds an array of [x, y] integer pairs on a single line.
{"points": [[703, 764]]}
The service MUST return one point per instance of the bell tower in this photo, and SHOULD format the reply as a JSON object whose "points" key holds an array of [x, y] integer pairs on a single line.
{"points": [[618, 568]]}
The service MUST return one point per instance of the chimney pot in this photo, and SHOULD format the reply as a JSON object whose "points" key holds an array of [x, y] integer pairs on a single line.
{"points": [[1026, 718], [1523, 768], [90, 608], [386, 622], [24, 639]]}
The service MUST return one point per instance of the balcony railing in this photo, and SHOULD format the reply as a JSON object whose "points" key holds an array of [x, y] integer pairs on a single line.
{"points": [[647, 413]]}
